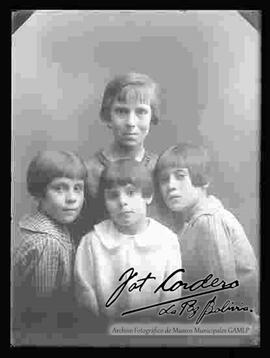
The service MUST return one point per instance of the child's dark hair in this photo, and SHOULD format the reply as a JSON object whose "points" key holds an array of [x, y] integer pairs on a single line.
{"points": [[187, 155], [183, 155], [130, 86], [48, 165], [121, 173], [127, 171]]}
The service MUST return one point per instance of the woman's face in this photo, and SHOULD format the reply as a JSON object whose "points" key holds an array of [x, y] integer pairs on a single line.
{"points": [[130, 123]]}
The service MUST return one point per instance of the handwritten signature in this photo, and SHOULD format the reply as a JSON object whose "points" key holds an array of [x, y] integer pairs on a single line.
{"points": [[209, 284], [191, 308]]}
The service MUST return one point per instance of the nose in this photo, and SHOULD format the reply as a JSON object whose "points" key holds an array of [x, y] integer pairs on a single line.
{"points": [[171, 184], [122, 200], [131, 119], [71, 196]]}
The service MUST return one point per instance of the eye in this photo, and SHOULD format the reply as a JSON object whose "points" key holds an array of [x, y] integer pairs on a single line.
{"points": [[58, 188], [131, 192], [78, 188], [141, 111], [163, 179], [111, 194], [120, 110], [180, 175]]}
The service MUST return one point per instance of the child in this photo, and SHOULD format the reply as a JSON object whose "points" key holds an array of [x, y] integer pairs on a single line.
{"points": [[129, 239], [43, 261], [212, 240], [130, 105]]}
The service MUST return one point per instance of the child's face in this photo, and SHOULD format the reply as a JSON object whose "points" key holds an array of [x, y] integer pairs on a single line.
{"points": [[126, 206], [130, 123], [177, 190], [63, 199]]}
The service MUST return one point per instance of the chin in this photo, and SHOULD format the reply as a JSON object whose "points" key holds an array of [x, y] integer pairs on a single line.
{"points": [[176, 208], [68, 220], [130, 144]]}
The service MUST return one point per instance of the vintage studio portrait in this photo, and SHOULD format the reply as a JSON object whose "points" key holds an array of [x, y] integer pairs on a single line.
{"points": [[135, 178]]}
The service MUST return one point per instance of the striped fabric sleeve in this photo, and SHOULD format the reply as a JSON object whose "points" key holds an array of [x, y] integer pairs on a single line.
{"points": [[40, 262], [46, 278]]}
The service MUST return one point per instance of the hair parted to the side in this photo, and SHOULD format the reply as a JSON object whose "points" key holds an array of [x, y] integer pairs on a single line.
{"points": [[48, 165], [131, 86]]}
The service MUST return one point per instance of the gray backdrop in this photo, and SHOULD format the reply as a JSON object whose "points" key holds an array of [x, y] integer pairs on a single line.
{"points": [[207, 63]]}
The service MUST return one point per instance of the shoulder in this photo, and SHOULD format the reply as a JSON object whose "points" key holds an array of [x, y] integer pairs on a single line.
{"points": [[95, 167], [162, 234], [30, 244], [37, 246], [218, 224], [93, 243], [96, 162], [86, 239], [44, 241], [94, 235], [150, 159]]}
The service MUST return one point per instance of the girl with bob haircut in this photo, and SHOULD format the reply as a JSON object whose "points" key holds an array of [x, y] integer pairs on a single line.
{"points": [[212, 240], [43, 259], [128, 239], [48, 165], [130, 105]]}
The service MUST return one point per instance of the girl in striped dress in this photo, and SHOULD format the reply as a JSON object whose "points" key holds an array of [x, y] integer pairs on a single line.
{"points": [[43, 260]]}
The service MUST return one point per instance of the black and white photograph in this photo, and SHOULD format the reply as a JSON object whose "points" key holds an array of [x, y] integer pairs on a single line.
{"points": [[135, 192]]}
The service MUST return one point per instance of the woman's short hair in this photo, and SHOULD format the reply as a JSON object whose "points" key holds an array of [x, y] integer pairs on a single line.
{"points": [[130, 86], [187, 155], [48, 165]]}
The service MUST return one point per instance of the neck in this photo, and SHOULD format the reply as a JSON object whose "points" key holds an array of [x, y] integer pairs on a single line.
{"points": [[116, 150], [189, 212], [57, 223], [134, 229]]}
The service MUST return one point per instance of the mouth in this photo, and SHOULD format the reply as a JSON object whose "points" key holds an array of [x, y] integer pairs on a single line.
{"points": [[130, 134], [125, 213], [174, 197], [70, 210]]}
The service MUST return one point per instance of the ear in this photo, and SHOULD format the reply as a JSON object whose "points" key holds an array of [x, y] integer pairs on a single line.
{"points": [[205, 186], [109, 124], [149, 200], [38, 200]]}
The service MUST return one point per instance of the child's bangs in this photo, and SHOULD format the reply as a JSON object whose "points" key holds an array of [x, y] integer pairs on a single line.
{"points": [[135, 94], [72, 171], [64, 165], [118, 179], [125, 172], [171, 160]]}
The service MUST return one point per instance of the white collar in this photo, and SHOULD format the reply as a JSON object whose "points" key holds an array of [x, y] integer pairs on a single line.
{"points": [[111, 238]]}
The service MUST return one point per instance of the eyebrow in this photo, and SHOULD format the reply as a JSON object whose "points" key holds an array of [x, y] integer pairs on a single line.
{"points": [[63, 182], [126, 186], [124, 104], [183, 170]]}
